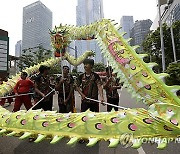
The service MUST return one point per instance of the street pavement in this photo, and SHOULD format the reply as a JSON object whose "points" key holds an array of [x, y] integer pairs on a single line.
{"points": [[12, 145]]}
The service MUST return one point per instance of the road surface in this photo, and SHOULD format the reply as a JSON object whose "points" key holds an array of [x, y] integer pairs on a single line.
{"points": [[12, 145]]}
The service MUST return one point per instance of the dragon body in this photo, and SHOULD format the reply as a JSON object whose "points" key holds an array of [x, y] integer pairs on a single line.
{"points": [[160, 121]]}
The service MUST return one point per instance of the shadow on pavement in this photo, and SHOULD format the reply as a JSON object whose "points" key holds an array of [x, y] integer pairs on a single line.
{"points": [[45, 147]]}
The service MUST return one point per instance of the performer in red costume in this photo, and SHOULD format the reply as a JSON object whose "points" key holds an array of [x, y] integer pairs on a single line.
{"points": [[22, 87], [3, 100]]}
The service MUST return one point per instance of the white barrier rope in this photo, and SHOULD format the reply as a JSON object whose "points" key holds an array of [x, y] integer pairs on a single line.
{"points": [[16, 95], [41, 99], [120, 107]]}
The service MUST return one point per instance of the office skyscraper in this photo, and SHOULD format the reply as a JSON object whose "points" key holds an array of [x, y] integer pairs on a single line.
{"points": [[89, 11], [139, 31], [18, 48], [169, 13], [126, 23], [4, 53], [37, 20]]}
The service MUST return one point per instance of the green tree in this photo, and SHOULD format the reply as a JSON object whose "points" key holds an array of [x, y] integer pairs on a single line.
{"points": [[74, 72], [35, 55], [152, 44], [56, 69], [99, 67], [174, 71]]}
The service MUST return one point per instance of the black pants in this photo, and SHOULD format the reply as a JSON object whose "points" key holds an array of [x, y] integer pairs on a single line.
{"points": [[93, 106], [65, 108], [46, 105], [114, 101]]}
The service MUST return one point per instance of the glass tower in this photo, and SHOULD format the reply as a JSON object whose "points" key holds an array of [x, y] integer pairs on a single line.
{"points": [[89, 11], [37, 20]]}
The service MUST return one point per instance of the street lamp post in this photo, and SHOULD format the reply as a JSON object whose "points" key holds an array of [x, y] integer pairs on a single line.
{"points": [[172, 34], [161, 36], [75, 55], [173, 44], [87, 21]]}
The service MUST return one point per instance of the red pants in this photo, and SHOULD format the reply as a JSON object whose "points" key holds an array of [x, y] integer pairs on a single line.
{"points": [[19, 100], [2, 101]]}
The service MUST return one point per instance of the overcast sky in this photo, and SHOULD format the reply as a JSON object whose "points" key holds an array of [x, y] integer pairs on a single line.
{"points": [[64, 11]]}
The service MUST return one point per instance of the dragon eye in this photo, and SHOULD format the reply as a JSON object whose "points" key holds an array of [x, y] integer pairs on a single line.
{"points": [[45, 124], [132, 127], [133, 67], [23, 122], [148, 87], [174, 121], [71, 125], [144, 74], [167, 128], [84, 119], [99, 126], [59, 119], [18, 116], [148, 121], [114, 120], [35, 117], [121, 51]]}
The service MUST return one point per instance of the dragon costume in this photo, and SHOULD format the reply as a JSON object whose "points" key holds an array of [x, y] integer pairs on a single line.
{"points": [[160, 122]]}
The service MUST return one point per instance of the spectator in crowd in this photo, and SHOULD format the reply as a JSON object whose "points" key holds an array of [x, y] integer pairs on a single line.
{"points": [[2, 101], [23, 86], [1, 81], [52, 81], [90, 85], [111, 85], [65, 106], [8, 99]]}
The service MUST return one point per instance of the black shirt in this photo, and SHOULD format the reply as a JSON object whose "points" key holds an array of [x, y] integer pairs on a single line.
{"points": [[89, 83]]}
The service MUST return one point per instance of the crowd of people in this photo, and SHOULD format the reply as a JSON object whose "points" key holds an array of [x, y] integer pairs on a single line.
{"points": [[88, 84]]}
